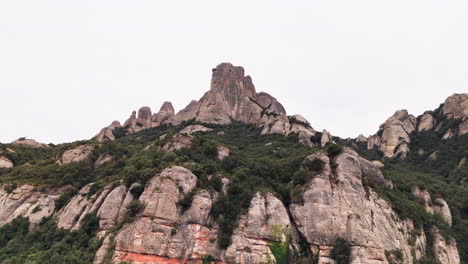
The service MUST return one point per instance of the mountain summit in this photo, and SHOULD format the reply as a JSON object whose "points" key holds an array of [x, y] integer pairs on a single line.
{"points": [[232, 97]]}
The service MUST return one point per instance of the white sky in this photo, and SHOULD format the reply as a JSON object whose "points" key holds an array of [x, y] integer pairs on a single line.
{"points": [[69, 68]]}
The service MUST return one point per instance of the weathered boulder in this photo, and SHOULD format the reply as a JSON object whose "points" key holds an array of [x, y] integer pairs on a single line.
{"points": [[426, 122], [136, 123], [232, 97], [372, 171], [178, 141], [78, 154], [456, 106], [27, 142], [166, 112], [27, 202], [393, 138], [5, 162], [107, 133], [326, 138], [188, 113], [161, 233], [108, 211], [189, 130]]}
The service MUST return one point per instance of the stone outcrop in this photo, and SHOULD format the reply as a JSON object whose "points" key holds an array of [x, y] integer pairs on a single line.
{"points": [[393, 138], [178, 141], [426, 122], [27, 202], [109, 204], [337, 205], [183, 139], [445, 252], [136, 123], [27, 142], [107, 133], [78, 154], [5, 162], [267, 220], [166, 112], [456, 106], [326, 138], [439, 205]]}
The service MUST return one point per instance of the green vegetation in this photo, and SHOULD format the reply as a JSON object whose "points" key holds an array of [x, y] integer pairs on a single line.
{"points": [[47, 243], [257, 163], [341, 251]]}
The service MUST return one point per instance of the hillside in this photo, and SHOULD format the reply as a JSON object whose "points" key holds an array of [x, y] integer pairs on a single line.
{"points": [[233, 179]]}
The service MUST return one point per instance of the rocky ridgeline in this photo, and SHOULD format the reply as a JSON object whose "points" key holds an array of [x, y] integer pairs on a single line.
{"points": [[334, 204], [232, 97], [394, 136]]}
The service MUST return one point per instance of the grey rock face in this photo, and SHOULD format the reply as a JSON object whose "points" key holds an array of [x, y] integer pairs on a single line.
{"points": [[232, 97], [337, 205], [456, 106], [107, 133], [166, 112], [267, 220], [326, 138], [78, 154], [445, 251], [189, 130], [426, 122], [136, 123], [393, 137], [27, 202], [178, 141], [439, 206]]}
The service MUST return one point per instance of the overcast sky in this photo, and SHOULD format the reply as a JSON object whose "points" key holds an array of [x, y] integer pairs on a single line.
{"points": [[69, 68]]}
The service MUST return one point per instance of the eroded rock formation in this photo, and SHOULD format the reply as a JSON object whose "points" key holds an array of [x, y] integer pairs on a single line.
{"points": [[78, 154], [232, 97]]}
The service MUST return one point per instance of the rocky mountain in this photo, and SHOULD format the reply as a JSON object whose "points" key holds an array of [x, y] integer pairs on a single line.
{"points": [[232, 178], [394, 136]]}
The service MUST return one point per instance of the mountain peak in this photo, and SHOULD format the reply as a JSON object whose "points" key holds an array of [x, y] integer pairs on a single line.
{"points": [[231, 98]]}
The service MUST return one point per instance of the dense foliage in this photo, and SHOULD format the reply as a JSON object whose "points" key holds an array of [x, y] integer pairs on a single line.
{"points": [[341, 251], [48, 243]]}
